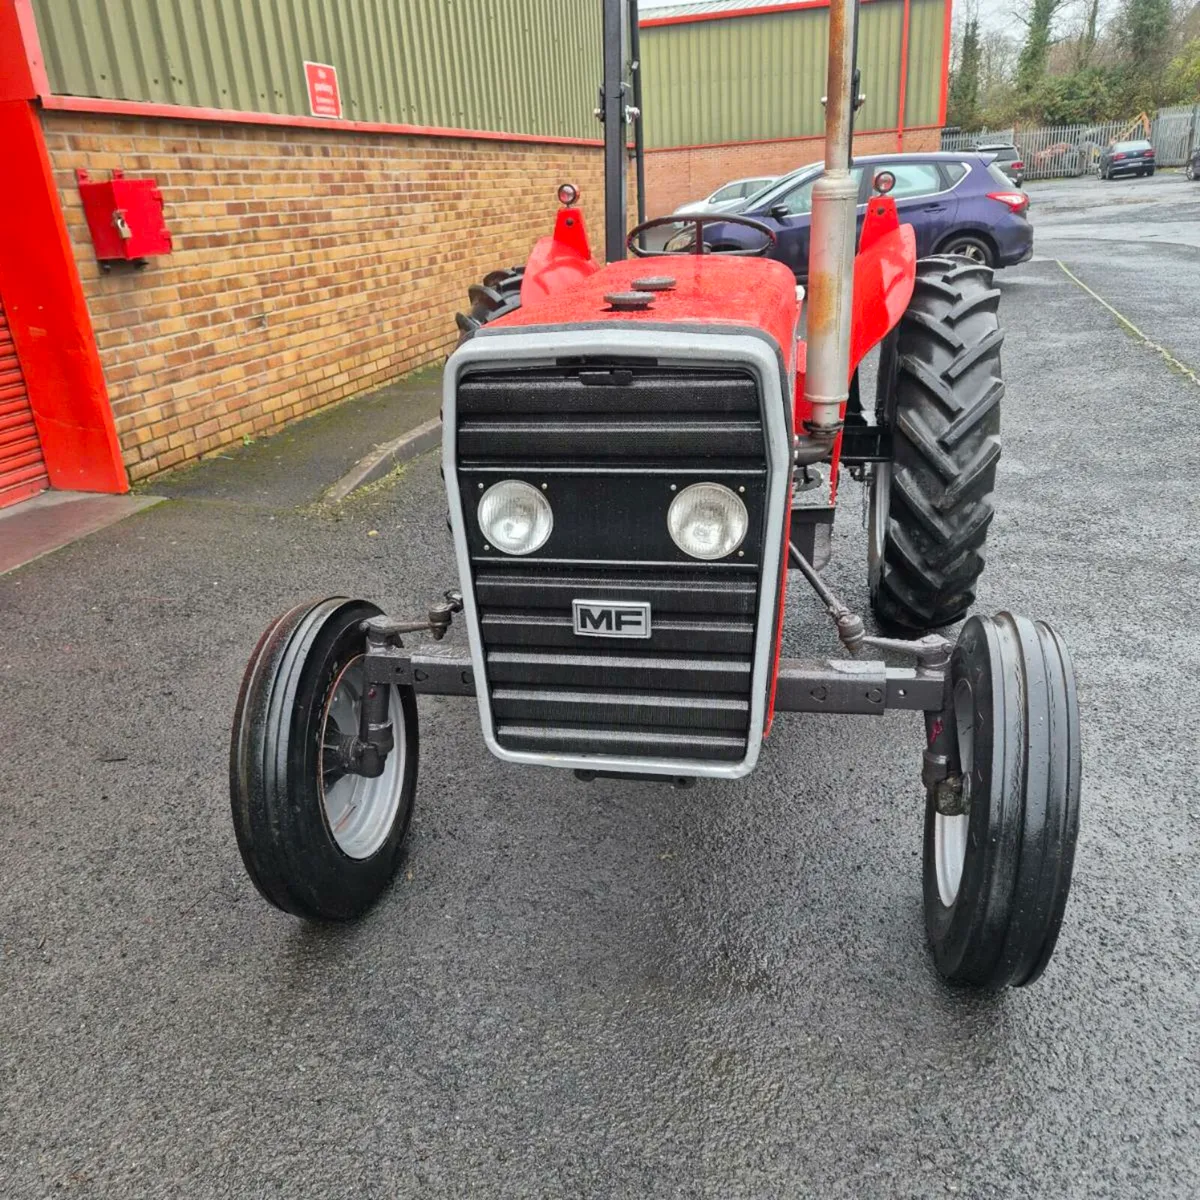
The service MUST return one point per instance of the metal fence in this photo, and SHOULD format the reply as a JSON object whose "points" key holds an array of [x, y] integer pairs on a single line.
{"points": [[1055, 151]]}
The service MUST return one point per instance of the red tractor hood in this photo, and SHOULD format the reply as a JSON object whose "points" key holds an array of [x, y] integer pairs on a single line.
{"points": [[710, 290]]}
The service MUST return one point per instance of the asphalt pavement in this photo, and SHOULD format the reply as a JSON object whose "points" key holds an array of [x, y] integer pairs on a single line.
{"points": [[616, 989]]}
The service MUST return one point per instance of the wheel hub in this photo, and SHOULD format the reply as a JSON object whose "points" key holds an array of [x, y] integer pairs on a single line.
{"points": [[950, 832], [359, 810]]}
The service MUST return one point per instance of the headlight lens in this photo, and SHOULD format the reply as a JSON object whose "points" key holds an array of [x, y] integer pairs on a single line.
{"points": [[515, 517], [707, 521]]}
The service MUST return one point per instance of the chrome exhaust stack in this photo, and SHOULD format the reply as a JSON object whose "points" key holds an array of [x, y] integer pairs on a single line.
{"points": [[831, 249]]}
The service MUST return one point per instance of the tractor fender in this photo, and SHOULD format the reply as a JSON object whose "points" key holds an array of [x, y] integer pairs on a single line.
{"points": [[885, 271], [559, 261]]}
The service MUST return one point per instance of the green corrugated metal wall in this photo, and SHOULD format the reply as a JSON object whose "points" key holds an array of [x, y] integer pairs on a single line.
{"points": [[761, 77], [513, 66]]}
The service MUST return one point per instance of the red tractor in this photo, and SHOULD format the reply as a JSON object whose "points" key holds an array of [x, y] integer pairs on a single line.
{"points": [[636, 455]]}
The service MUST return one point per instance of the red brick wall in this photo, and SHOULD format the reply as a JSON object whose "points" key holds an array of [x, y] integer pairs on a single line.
{"points": [[674, 177], [308, 265]]}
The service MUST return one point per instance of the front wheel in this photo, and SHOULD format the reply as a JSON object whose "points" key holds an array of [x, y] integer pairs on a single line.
{"points": [[317, 841], [996, 876], [939, 393], [1189, 172]]}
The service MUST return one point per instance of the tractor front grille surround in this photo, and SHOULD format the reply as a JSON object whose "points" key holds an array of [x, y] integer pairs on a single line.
{"points": [[609, 442]]}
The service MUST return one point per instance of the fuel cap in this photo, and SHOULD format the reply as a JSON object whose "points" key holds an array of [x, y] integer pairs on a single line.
{"points": [[629, 301]]}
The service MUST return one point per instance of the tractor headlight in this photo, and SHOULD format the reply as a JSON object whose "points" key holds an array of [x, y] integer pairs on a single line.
{"points": [[707, 521], [515, 517]]}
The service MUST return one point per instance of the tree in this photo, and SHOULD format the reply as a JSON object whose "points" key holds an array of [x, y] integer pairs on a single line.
{"points": [[963, 98], [1145, 29], [1183, 75], [1086, 46], [1031, 65]]}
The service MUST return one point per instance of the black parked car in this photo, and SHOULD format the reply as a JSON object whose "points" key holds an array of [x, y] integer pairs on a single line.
{"points": [[1008, 159], [1126, 158], [1192, 170]]}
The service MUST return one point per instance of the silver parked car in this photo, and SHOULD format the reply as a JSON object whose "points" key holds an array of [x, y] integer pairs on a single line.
{"points": [[727, 196]]}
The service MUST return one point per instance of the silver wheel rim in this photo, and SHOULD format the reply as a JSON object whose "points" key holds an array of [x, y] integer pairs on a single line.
{"points": [[971, 251], [950, 833], [360, 812], [877, 522]]}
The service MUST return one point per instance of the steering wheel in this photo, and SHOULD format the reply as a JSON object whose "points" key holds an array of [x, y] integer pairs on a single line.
{"points": [[698, 246]]}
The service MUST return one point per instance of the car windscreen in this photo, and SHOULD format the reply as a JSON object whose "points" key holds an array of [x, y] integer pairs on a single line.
{"points": [[1139, 145], [731, 191], [780, 187], [1002, 153]]}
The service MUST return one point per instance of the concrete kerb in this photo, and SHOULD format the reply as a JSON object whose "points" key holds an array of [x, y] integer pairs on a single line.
{"points": [[384, 458]]}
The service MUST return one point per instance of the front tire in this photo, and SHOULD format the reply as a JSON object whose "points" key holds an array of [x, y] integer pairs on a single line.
{"points": [[317, 843], [939, 392], [996, 878]]}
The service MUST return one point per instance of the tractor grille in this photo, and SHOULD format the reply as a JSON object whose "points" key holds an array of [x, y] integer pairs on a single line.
{"points": [[611, 445]]}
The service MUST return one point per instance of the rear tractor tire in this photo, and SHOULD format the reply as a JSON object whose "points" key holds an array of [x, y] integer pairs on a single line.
{"points": [[497, 296], [939, 393]]}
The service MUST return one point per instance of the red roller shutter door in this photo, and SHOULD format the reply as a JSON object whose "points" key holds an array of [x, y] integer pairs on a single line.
{"points": [[22, 471]]}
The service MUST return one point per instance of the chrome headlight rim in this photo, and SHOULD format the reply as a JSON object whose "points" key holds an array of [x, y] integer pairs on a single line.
{"points": [[538, 502], [696, 492]]}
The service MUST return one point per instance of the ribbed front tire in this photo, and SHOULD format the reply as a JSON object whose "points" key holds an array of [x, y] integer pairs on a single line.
{"points": [[939, 392]]}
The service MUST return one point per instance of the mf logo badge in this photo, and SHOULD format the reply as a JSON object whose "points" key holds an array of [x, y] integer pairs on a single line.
{"points": [[611, 618]]}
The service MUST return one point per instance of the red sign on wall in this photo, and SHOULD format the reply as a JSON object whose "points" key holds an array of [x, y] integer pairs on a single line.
{"points": [[324, 99]]}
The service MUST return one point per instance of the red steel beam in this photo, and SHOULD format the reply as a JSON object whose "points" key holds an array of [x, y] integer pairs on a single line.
{"points": [[901, 99], [190, 112], [945, 63], [43, 297]]}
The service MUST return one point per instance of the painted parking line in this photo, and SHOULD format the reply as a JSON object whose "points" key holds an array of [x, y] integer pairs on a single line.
{"points": [[1150, 343]]}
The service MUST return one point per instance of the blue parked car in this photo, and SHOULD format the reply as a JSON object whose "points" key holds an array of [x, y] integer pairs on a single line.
{"points": [[957, 204]]}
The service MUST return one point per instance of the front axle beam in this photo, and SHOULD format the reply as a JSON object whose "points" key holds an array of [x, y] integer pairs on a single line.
{"points": [[850, 686]]}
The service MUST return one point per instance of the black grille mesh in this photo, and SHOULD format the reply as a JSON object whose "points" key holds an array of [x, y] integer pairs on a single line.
{"points": [[685, 691]]}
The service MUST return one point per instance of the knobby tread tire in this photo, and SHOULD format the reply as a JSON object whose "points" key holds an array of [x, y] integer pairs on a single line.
{"points": [[940, 391], [498, 295]]}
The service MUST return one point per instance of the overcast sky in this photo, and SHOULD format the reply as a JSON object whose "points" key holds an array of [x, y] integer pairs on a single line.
{"points": [[993, 14]]}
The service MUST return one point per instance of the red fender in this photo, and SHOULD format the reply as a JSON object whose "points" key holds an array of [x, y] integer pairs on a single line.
{"points": [[885, 270], [559, 261]]}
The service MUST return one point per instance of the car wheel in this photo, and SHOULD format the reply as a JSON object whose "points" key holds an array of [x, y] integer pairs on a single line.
{"points": [[966, 246], [1150, 173], [1189, 172]]}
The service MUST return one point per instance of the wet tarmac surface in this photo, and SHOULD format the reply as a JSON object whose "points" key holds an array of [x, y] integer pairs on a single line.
{"points": [[618, 989]]}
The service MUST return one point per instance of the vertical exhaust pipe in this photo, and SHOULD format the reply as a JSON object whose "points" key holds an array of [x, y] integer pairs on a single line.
{"points": [[832, 244]]}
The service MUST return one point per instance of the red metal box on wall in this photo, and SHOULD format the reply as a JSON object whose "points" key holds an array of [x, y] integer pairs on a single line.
{"points": [[125, 217]]}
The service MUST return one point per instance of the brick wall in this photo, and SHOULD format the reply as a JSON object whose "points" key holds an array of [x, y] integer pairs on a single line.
{"points": [[674, 177], [308, 265]]}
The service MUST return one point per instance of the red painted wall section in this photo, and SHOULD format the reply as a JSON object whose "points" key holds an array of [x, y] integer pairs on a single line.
{"points": [[43, 297], [49, 319]]}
